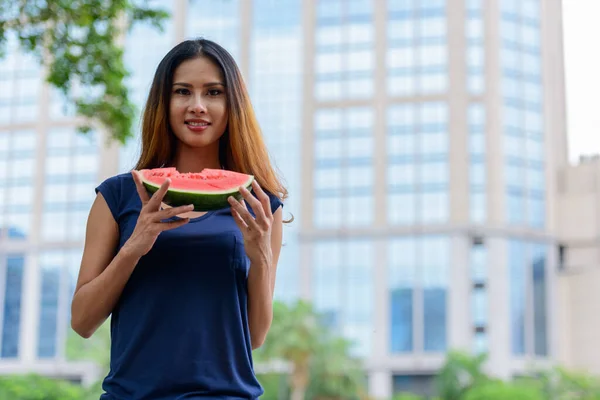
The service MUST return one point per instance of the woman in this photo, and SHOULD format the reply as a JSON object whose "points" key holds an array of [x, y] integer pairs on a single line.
{"points": [[189, 293]]}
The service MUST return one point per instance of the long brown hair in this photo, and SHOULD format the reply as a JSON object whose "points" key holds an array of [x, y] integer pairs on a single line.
{"points": [[241, 148]]}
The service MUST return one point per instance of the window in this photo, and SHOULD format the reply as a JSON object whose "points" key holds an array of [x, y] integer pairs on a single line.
{"points": [[417, 58], [522, 114], [344, 52], [71, 166], [343, 289], [51, 264], [527, 268], [343, 175], [518, 288], [475, 47], [418, 264], [13, 283], [417, 173], [402, 258], [17, 168]]}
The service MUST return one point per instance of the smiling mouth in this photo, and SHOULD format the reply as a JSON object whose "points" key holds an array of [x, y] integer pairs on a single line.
{"points": [[192, 123]]}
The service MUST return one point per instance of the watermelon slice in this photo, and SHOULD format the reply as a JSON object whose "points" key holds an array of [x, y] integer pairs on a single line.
{"points": [[206, 190]]}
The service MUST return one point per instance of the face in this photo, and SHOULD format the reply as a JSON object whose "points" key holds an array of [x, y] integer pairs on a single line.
{"points": [[198, 108]]}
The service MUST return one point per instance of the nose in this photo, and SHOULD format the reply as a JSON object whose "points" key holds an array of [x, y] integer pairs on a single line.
{"points": [[197, 105]]}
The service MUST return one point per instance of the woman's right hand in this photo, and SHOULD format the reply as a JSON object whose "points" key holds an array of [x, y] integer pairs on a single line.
{"points": [[149, 224]]}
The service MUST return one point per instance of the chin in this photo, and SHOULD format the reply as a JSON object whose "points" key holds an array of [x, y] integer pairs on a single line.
{"points": [[198, 140]]}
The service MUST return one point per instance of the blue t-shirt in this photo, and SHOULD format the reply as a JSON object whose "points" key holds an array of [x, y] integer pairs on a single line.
{"points": [[180, 327]]}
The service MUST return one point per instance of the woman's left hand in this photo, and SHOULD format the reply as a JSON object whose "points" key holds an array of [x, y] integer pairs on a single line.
{"points": [[255, 230]]}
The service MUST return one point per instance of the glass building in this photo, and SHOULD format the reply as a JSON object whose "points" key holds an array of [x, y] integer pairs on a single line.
{"points": [[419, 141]]}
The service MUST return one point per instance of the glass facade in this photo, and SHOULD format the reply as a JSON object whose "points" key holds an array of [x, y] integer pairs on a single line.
{"points": [[11, 269], [475, 47], [418, 275], [478, 164], [71, 169], [417, 170], [343, 171], [528, 297], [17, 170], [417, 59], [217, 20], [276, 91], [342, 289], [523, 113], [344, 59], [19, 85]]}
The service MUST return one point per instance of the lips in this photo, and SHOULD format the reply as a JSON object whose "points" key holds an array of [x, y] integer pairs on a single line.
{"points": [[197, 123]]}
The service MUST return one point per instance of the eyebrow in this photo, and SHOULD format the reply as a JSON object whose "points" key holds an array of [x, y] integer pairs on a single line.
{"points": [[205, 85]]}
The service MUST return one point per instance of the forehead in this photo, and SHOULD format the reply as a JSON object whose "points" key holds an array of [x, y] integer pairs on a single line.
{"points": [[199, 70]]}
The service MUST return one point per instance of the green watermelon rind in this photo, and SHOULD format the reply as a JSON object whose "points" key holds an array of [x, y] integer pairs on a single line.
{"points": [[202, 201]]}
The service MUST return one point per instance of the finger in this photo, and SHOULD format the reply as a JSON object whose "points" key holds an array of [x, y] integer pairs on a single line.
{"points": [[239, 220], [173, 211], [158, 196], [140, 187], [264, 199], [241, 209], [256, 205], [165, 226]]}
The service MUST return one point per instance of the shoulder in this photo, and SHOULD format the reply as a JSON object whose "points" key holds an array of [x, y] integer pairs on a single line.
{"points": [[114, 189], [116, 183], [274, 199]]}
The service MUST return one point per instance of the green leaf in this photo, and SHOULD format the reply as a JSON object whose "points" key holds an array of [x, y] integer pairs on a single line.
{"points": [[77, 42]]}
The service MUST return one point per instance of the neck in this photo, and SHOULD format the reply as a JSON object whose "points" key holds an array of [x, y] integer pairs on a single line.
{"points": [[190, 159]]}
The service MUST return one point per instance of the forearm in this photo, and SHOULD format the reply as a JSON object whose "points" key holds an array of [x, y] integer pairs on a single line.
{"points": [[95, 300], [260, 302]]}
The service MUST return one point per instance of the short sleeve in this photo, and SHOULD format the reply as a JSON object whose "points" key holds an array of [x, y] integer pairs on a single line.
{"points": [[111, 191], [275, 202]]}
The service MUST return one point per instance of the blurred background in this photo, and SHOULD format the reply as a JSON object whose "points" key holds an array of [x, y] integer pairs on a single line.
{"points": [[441, 162]]}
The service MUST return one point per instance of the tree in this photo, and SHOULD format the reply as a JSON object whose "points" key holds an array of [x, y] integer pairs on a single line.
{"points": [[460, 373], [78, 43], [321, 363], [560, 384], [334, 373], [293, 337]]}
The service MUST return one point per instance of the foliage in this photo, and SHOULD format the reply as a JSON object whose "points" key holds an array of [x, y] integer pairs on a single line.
{"points": [[275, 386], [34, 387], [334, 373], [460, 373], [322, 366], [78, 41], [559, 384], [497, 390], [95, 348]]}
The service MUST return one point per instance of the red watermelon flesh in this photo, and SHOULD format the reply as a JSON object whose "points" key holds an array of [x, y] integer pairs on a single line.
{"points": [[206, 190]]}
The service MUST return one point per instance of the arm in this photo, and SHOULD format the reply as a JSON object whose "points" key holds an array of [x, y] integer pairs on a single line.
{"points": [[261, 286], [102, 274]]}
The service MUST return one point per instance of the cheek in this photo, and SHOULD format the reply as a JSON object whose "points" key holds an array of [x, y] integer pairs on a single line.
{"points": [[221, 110], [176, 107]]}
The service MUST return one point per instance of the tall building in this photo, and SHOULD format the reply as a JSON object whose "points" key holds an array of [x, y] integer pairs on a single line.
{"points": [[420, 142]]}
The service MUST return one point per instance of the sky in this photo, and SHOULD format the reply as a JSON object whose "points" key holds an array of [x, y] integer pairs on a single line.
{"points": [[582, 75]]}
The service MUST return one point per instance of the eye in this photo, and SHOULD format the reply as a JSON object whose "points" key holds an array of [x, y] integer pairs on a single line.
{"points": [[182, 91], [214, 92]]}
